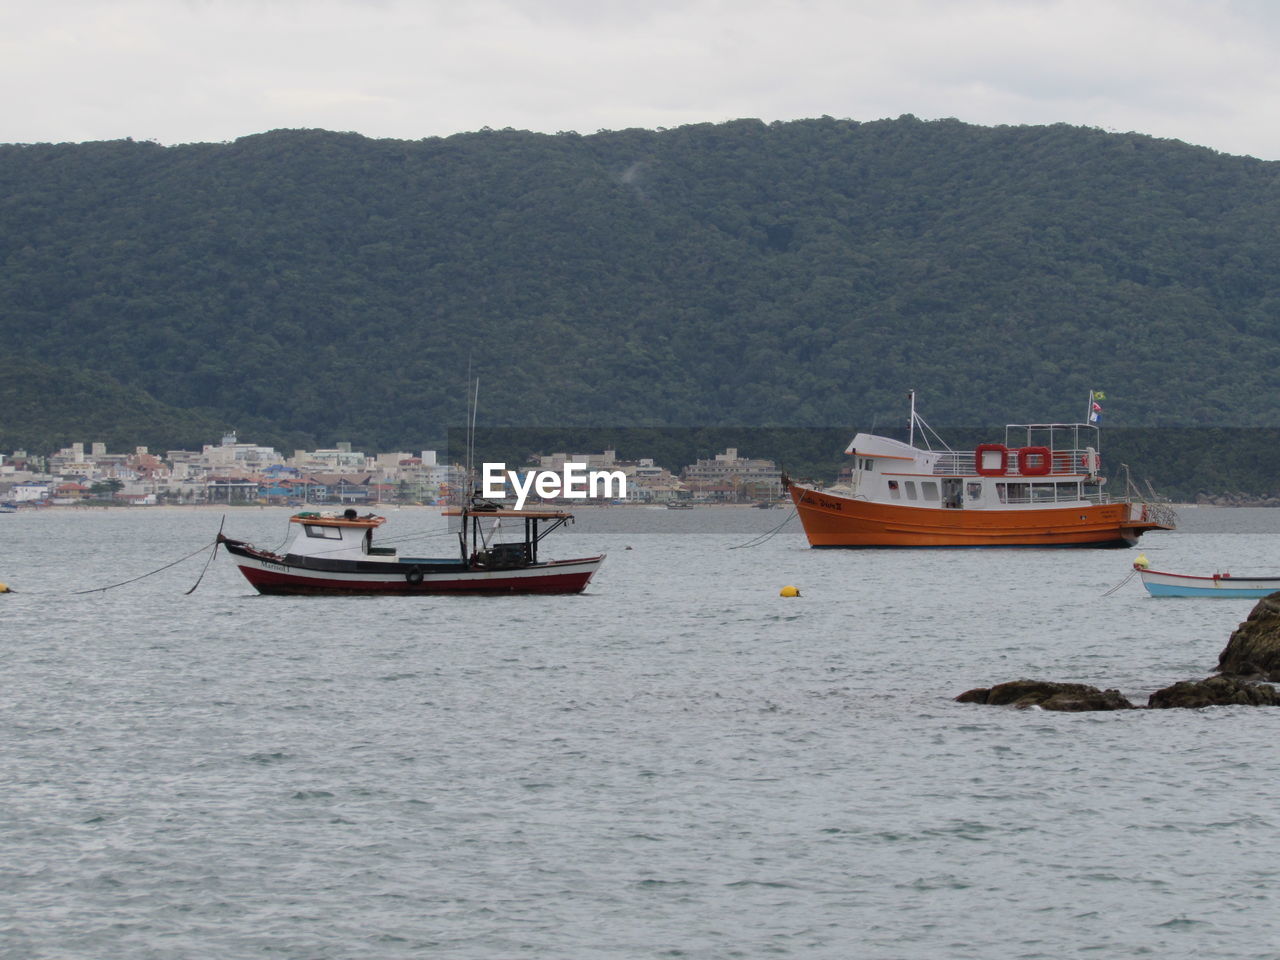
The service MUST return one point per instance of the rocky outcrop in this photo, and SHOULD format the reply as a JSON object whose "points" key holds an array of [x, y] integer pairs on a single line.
{"points": [[1253, 650], [1214, 692], [1047, 695], [1246, 667]]}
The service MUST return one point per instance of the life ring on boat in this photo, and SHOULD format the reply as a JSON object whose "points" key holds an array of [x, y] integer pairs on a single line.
{"points": [[979, 459], [414, 575], [1034, 461]]}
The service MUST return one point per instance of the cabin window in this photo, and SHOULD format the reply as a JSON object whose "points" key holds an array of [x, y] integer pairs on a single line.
{"points": [[929, 489], [911, 489], [324, 533], [1012, 492], [1042, 491], [1068, 491], [974, 490], [869, 466], [894, 492]]}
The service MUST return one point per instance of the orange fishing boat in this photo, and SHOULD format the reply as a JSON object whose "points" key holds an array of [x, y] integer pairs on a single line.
{"points": [[1041, 487]]}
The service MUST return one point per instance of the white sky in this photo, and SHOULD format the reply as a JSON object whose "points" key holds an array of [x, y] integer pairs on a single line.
{"points": [[182, 71]]}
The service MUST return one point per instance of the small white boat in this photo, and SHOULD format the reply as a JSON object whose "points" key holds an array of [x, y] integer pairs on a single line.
{"points": [[1162, 584]]}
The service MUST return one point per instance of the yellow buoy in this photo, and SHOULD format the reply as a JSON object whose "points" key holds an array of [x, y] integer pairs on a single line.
{"points": [[4, 588], [1142, 563], [788, 591]]}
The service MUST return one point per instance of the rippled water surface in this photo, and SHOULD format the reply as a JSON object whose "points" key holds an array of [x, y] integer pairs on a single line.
{"points": [[677, 763]]}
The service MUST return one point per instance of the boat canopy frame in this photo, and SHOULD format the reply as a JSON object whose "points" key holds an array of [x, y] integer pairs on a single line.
{"points": [[1052, 435], [475, 547]]}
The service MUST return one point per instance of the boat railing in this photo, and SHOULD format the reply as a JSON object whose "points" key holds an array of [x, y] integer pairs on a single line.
{"points": [[1049, 496], [1154, 511], [1160, 513], [955, 463], [963, 463]]}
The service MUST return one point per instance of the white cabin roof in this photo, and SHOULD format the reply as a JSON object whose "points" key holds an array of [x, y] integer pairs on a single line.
{"points": [[886, 448], [330, 519]]}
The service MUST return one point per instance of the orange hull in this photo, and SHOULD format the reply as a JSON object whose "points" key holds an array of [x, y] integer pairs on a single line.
{"points": [[835, 521]]}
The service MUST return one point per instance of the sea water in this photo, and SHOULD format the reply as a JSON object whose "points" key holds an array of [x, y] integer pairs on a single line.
{"points": [[677, 763]]}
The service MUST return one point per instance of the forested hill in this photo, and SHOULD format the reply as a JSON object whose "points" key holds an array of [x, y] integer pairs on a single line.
{"points": [[306, 286]]}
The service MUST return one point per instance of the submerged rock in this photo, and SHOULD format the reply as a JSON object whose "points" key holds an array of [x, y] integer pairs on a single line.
{"points": [[1047, 695], [1214, 692], [1253, 650]]}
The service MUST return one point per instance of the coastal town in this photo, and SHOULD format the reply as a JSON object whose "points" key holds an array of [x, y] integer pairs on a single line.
{"points": [[232, 472]]}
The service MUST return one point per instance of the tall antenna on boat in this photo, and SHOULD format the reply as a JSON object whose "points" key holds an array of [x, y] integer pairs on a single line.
{"points": [[469, 492], [911, 430], [473, 403], [475, 411]]}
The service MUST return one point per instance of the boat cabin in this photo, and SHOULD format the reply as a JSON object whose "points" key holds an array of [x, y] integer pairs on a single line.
{"points": [[1051, 464], [336, 536]]}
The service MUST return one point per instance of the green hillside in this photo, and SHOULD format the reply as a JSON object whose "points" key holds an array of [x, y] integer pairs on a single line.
{"points": [[306, 286]]}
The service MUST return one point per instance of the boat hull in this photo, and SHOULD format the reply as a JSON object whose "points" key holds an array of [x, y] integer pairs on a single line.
{"points": [[832, 521], [1161, 584], [270, 574]]}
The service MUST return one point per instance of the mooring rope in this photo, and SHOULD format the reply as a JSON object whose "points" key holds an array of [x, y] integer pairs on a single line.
{"points": [[152, 573], [764, 537], [1132, 574], [144, 576], [212, 553]]}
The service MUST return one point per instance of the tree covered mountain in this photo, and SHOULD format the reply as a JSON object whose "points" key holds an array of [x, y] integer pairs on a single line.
{"points": [[305, 286]]}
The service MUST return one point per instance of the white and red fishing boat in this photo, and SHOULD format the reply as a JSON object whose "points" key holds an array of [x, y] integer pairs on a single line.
{"points": [[1041, 487], [333, 553]]}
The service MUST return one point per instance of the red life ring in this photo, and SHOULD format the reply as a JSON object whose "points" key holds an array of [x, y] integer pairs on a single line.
{"points": [[978, 459], [1034, 461]]}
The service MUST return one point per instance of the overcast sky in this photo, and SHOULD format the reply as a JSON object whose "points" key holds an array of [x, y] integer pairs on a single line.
{"points": [[182, 71]]}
